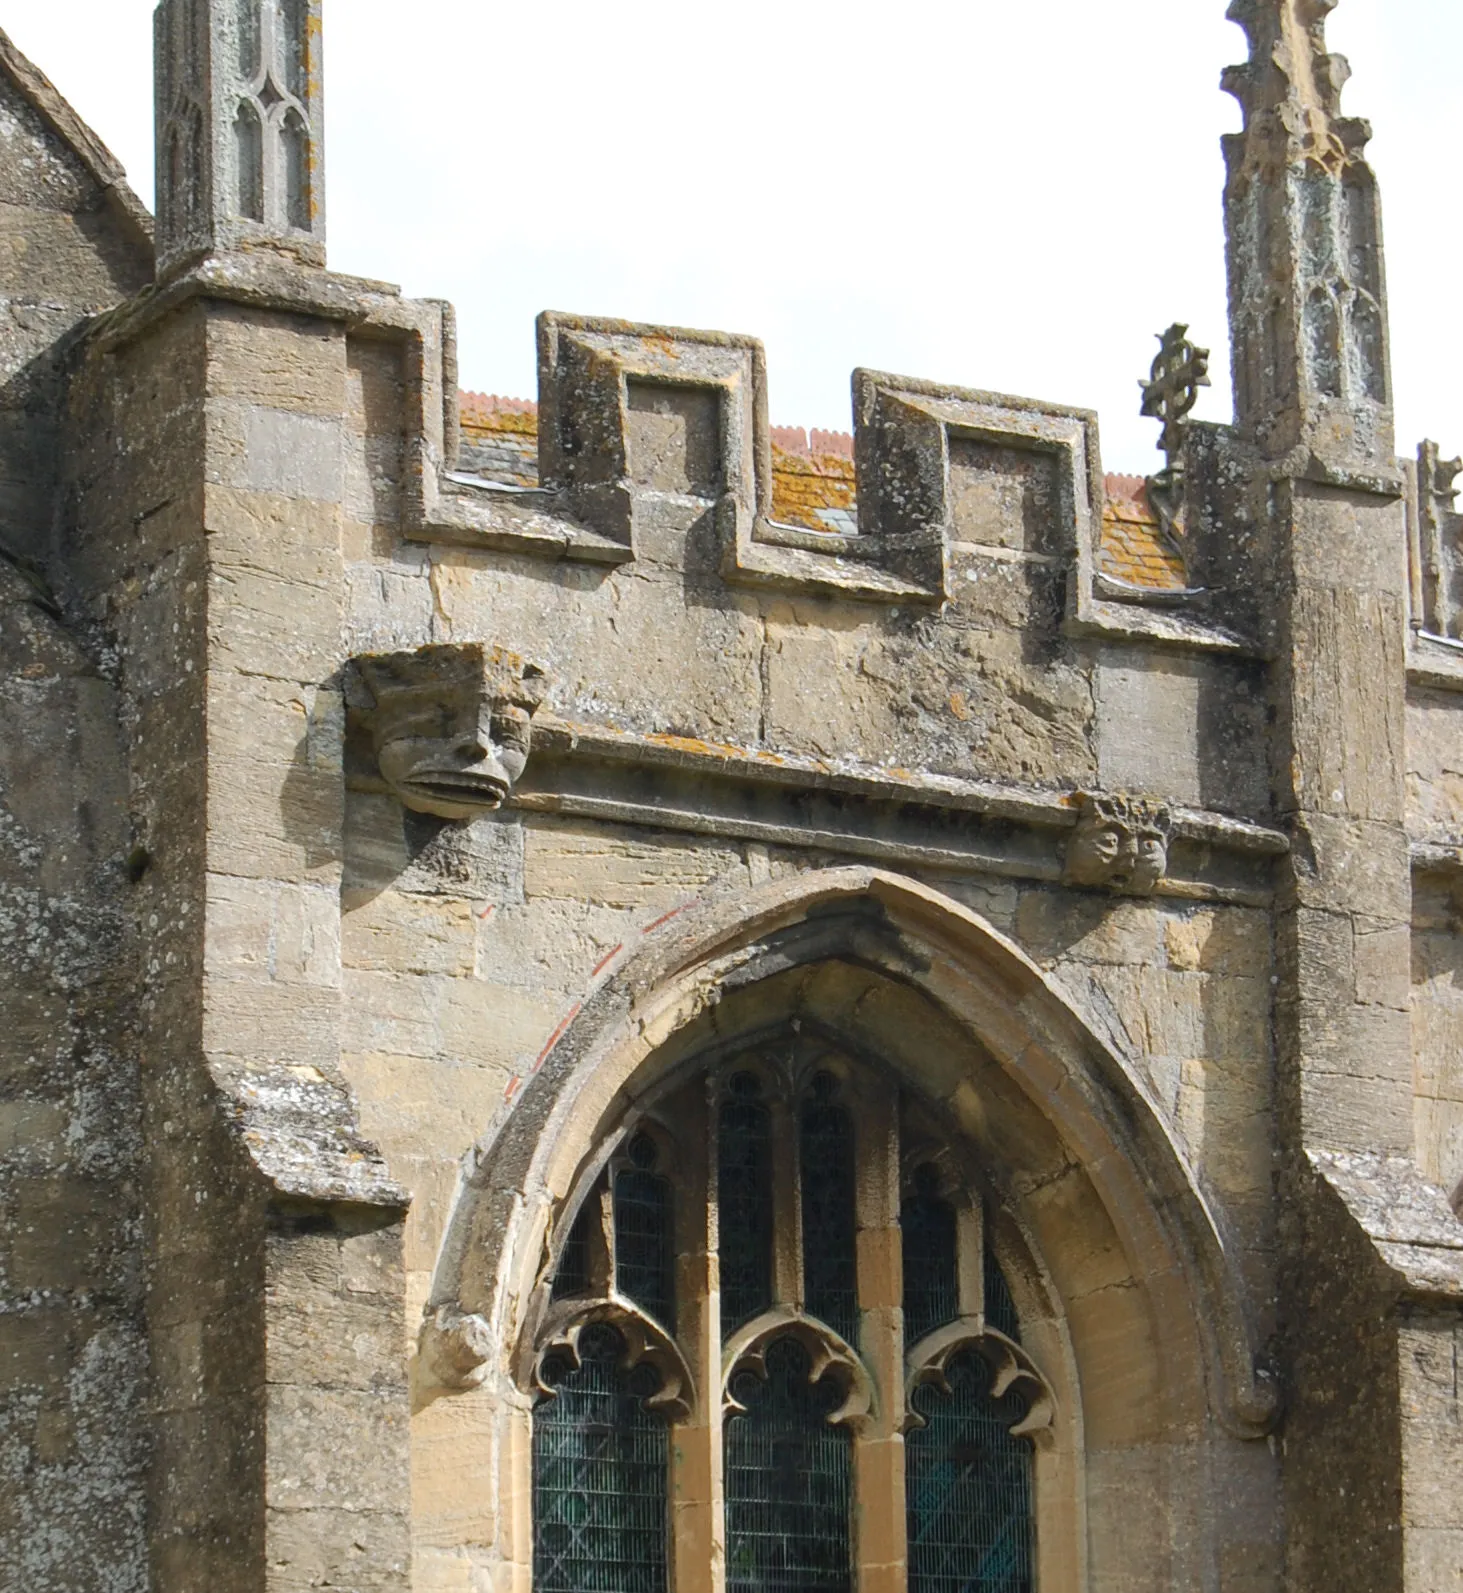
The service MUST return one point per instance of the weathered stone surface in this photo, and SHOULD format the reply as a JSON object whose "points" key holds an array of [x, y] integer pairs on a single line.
{"points": [[295, 1076], [589, 863]]}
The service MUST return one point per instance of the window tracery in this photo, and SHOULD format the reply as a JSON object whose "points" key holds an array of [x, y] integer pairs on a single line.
{"points": [[968, 1484], [600, 1471], [788, 1477], [777, 1280]]}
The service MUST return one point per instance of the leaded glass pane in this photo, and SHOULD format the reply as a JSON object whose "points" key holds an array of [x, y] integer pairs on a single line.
{"points": [[572, 1277], [829, 1238], [931, 1274], [744, 1186], [786, 1481], [599, 1475], [1000, 1308], [968, 1487], [644, 1247]]}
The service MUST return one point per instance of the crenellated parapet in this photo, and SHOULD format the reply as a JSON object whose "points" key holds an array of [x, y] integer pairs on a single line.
{"points": [[1307, 289], [639, 426]]}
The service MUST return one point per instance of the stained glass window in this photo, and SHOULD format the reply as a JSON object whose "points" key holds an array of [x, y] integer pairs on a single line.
{"points": [[745, 1185], [786, 1481], [931, 1274], [599, 1475], [829, 1236], [644, 1244], [572, 1277], [775, 1184], [968, 1487]]}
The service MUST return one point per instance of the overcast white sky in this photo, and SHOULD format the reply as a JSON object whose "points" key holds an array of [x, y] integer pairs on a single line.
{"points": [[997, 194]]}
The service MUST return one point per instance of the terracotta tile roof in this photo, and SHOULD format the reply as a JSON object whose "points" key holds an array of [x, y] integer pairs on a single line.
{"points": [[499, 438], [794, 440], [813, 480], [813, 486], [1133, 547]]}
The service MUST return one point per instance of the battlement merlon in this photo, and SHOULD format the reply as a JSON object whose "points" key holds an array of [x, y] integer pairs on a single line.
{"points": [[1307, 282], [240, 129]]}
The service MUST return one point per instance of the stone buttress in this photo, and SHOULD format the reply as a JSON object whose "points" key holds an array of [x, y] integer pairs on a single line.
{"points": [[1365, 1314]]}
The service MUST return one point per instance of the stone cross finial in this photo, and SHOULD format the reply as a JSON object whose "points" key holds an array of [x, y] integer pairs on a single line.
{"points": [[1179, 370], [1306, 290], [240, 125]]}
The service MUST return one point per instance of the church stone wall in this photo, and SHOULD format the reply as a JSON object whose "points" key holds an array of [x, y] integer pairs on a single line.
{"points": [[377, 834], [73, 242], [73, 1351], [467, 948]]}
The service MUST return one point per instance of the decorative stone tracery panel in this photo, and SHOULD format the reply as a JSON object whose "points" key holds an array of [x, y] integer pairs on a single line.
{"points": [[240, 128]]}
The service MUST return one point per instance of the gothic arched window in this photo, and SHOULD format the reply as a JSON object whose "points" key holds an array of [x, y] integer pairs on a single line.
{"points": [[772, 1336]]}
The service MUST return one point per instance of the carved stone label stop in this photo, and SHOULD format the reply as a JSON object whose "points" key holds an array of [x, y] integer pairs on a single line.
{"points": [[1120, 842], [452, 724]]}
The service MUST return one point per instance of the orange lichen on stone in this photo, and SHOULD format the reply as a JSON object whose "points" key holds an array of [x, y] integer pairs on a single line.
{"points": [[719, 749], [1134, 548]]}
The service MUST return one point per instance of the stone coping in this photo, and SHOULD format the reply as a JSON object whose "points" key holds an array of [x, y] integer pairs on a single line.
{"points": [[1415, 1232]]}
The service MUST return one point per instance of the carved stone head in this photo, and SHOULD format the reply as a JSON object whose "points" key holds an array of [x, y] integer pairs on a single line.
{"points": [[452, 724], [1120, 842]]}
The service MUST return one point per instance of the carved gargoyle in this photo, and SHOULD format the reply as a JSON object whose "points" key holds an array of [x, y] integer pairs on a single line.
{"points": [[452, 724], [1120, 842]]}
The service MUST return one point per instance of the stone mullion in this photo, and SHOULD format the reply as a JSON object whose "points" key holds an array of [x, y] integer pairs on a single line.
{"points": [[878, 1448], [603, 1271], [970, 1259], [787, 1207], [697, 1523], [516, 1526]]}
